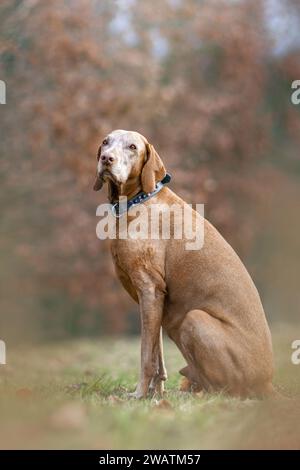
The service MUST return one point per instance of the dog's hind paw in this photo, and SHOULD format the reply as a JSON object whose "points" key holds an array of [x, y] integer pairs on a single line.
{"points": [[185, 385]]}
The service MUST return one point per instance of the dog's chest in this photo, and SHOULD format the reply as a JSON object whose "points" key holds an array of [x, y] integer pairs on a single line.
{"points": [[137, 262]]}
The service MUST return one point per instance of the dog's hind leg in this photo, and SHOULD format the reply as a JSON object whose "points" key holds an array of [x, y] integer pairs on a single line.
{"points": [[185, 384], [203, 341], [185, 372], [189, 383], [219, 358]]}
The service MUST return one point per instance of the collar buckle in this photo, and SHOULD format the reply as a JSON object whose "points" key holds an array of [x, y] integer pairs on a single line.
{"points": [[139, 198], [116, 214]]}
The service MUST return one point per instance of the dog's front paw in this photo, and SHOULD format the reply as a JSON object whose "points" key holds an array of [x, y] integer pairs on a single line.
{"points": [[136, 395], [157, 386]]}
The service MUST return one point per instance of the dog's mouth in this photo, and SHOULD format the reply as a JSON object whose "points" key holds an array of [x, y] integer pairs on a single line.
{"points": [[103, 177], [106, 173]]}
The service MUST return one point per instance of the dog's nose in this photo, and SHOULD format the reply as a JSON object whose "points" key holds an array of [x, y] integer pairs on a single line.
{"points": [[107, 159]]}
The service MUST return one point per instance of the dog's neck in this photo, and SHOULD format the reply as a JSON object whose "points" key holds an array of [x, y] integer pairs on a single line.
{"points": [[129, 189]]}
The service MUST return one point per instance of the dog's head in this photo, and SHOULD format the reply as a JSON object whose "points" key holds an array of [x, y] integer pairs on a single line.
{"points": [[126, 157]]}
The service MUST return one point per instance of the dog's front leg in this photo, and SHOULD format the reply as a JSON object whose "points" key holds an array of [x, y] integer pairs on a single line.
{"points": [[157, 382], [151, 309]]}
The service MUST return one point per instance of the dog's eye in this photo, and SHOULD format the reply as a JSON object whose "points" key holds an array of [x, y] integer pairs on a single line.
{"points": [[132, 147], [105, 142]]}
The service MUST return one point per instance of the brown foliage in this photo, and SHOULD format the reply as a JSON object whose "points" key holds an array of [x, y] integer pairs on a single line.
{"points": [[192, 77]]}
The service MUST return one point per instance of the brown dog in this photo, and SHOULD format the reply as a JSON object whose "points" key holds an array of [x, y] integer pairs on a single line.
{"points": [[204, 299]]}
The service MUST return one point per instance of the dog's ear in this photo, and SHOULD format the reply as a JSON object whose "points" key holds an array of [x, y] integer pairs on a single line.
{"points": [[153, 169], [99, 181], [113, 193]]}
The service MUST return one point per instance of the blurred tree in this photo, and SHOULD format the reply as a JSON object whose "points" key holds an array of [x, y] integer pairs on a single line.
{"points": [[196, 77]]}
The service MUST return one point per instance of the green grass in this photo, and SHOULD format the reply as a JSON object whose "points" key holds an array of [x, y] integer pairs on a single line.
{"points": [[74, 395]]}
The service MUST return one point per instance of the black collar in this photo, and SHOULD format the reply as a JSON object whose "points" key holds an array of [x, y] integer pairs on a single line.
{"points": [[118, 210]]}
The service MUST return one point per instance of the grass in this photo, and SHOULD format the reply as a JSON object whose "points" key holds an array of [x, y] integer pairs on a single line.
{"points": [[73, 395]]}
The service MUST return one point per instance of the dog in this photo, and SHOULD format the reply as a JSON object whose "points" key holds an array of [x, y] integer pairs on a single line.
{"points": [[204, 299]]}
